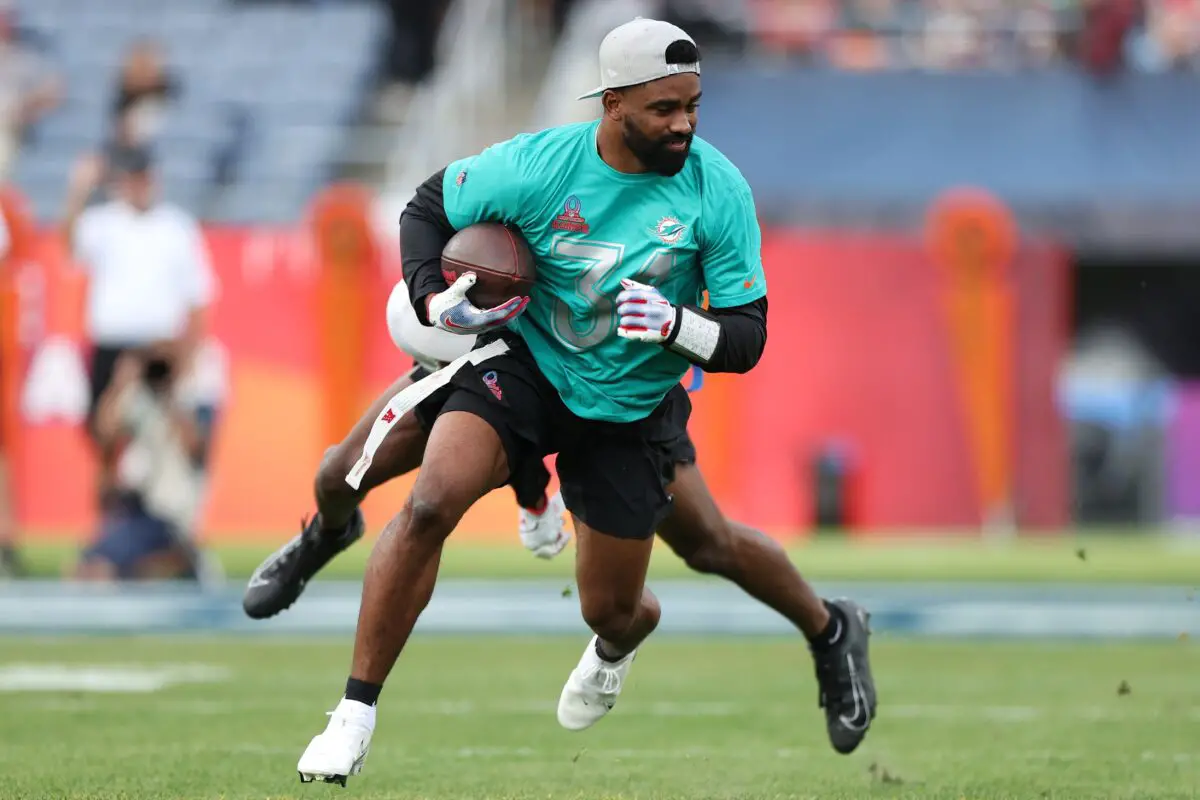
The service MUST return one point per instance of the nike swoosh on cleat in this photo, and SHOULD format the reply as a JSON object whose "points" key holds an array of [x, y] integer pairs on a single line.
{"points": [[256, 578], [861, 718]]}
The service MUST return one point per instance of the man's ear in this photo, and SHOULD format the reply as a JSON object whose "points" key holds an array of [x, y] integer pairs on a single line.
{"points": [[612, 105]]}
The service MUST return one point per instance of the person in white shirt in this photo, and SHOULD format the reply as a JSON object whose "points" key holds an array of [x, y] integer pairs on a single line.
{"points": [[150, 281]]}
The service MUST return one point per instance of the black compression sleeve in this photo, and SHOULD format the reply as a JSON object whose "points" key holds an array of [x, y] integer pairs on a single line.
{"points": [[424, 231], [721, 339]]}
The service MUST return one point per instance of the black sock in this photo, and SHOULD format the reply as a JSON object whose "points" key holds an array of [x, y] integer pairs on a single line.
{"points": [[833, 630], [363, 692], [604, 656], [328, 532]]}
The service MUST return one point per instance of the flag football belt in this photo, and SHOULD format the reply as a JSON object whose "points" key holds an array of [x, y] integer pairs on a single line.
{"points": [[409, 398]]}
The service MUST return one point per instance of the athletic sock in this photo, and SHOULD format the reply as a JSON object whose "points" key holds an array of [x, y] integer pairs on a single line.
{"points": [[605, 656], [363, 692], [832, 634], [330, 533]]}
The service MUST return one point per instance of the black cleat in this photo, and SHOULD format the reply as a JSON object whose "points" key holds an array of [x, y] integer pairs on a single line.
{"points": [[281, 579], [847, 690]]}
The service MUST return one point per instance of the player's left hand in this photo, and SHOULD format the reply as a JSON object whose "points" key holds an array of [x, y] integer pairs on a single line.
{"points": [[643, 314]]}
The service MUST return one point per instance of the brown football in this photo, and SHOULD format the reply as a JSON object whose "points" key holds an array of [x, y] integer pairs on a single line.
{"points": [[500, 259]]}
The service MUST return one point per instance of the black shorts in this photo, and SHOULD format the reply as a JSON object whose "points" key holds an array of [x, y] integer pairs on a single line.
{"points": [[529, 481], [614, 476], [100, 374]]}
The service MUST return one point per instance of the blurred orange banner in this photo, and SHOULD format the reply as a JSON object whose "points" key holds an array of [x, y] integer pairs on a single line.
{"points": [[973, 238], [859, 351]]}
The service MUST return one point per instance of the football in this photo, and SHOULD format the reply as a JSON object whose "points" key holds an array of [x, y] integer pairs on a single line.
{"points": [[499, 257]]}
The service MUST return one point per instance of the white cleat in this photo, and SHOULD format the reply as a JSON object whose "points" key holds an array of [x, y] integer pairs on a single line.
{"points": [[339, 751], [592, 689], [545, 534]]}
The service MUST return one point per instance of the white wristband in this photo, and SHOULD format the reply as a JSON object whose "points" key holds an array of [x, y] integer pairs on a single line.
{"points": [[696, 336]]}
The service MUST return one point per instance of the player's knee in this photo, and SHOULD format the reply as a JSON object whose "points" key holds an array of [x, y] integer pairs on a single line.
{"points": [[432, 518], [612, 617], [331, 476]]}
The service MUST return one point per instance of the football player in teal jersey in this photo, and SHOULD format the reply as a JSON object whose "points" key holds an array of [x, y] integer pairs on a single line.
{"points": [[630, 219]]}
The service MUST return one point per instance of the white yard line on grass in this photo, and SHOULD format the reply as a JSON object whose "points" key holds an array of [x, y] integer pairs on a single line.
{"points": [[116, 678]]}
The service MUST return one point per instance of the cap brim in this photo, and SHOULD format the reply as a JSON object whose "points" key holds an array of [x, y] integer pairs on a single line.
{"points": [[592, 93]]}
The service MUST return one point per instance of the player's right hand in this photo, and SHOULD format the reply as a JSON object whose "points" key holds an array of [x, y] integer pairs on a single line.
{"points": [[545, 534], [452, 311]]}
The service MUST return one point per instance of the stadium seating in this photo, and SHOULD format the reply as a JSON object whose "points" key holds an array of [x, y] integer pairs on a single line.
{"points": [[268, 93]]}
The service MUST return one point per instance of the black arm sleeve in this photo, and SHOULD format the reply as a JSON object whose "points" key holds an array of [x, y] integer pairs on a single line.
{"points": [[424, 231], [742, 339]]}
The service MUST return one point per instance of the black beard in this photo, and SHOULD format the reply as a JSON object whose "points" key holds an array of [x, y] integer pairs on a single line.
{"points": [[654, 154]]}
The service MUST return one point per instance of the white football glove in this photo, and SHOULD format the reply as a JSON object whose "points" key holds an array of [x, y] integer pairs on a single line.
{"points": [[452, 311], [545, 534], [643, 314]]}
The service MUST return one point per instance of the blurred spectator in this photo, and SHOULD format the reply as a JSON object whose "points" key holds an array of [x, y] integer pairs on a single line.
{"points": [[159, 431], [150, 278], [144, 89], [29, 89], [1168, 39], [716, 25], [955, 35], [859, 48], [1036, 37], [412, 51], [1116, 398], [798, 28], [409, 53], [1106, 26]]}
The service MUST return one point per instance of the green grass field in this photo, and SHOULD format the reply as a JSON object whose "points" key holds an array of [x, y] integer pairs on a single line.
{"points": [[1129, 558], [730, 718]]}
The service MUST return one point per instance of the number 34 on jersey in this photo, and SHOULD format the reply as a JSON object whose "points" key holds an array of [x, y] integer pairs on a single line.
{"points": [[589, 227]]}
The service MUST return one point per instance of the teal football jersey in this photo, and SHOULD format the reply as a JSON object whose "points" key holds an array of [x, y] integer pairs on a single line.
{"points": [[589, 226]]}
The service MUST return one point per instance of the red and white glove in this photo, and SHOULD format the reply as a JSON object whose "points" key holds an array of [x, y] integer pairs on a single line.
{"points": [[544, 533], [643, 314], [452, 311]]}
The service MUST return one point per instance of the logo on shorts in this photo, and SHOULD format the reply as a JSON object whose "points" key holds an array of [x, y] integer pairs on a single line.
{"points": [[492, 382], [461, 179], [669, 230], [569, 219]]}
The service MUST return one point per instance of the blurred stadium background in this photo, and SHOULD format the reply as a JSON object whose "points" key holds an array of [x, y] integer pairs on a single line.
{"points": [[979, 410]]}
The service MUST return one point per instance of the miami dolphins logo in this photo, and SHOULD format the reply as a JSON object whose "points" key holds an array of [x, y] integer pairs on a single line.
{"points": [[670, 230]]}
